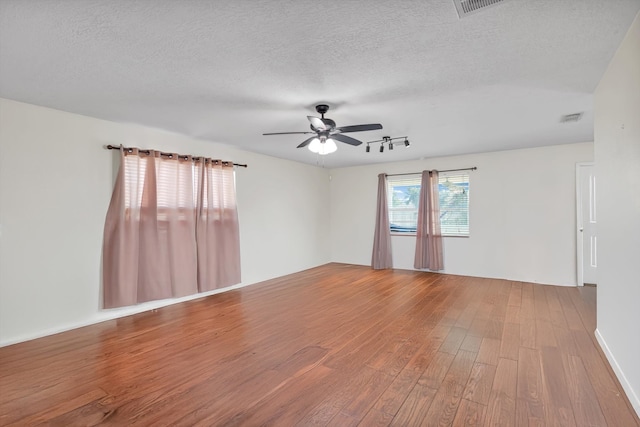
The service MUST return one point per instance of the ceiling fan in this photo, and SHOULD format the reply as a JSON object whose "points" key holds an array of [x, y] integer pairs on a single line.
{"points": [[325, 132]]}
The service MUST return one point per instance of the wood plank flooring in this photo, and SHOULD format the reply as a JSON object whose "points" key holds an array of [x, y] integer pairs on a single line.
{"points": [[337, 345]]}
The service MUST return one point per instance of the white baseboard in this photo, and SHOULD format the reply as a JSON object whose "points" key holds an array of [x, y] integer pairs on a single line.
{"points": [[116, 313], [633, 397], [106, 315]]}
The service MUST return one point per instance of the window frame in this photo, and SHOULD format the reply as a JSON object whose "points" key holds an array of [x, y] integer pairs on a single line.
{"points": [[410, 179]]}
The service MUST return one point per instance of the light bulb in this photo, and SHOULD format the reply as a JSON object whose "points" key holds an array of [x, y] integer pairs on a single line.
{"points": [[328, 147], [315, 145]]}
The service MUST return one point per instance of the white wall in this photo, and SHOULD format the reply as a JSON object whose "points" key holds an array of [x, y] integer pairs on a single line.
{"points": [[55, 185], [617, 155], [522, 214]]}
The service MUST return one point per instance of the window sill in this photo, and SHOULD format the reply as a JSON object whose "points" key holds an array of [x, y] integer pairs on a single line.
{"points": [[414, 235]]}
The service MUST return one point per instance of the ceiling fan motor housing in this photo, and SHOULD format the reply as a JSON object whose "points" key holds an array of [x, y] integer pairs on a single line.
{"points": [[322, 108]]}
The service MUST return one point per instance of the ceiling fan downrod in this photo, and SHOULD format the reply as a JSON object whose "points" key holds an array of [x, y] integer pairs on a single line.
{"points": [[322, 108]]}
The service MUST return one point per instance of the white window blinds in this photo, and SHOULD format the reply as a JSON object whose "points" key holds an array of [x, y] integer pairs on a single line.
{"points": [[454, 203]]}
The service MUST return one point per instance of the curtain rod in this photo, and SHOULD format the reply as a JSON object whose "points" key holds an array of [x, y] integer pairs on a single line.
{"points": [[446, 170], [129, 149]]}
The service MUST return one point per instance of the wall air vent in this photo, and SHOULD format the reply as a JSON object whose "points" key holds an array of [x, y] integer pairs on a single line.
{"points": [[570, 118], [467, 7]]}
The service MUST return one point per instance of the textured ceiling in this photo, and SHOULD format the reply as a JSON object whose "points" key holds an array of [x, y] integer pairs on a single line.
{"points": [[228, 71]]}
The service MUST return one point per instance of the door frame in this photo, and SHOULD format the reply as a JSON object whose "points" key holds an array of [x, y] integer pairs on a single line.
{"points": [[579, 224]]}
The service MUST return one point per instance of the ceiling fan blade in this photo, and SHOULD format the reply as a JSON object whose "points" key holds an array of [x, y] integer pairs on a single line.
{"points": [[346, 139], [359, 128], [306, 142], [317, 123], [287, 133]]}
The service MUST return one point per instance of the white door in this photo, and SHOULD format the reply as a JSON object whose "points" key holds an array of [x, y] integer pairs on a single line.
{"points": [[587, 232]]}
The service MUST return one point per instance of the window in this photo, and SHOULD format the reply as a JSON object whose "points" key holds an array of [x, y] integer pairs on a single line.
{"points": [[177, 187], [403, 194], [454, 203]]}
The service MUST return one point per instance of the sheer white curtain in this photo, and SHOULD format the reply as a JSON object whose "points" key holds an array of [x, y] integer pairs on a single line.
{"points": [[428, 235], [382, 256], [164, 231]]}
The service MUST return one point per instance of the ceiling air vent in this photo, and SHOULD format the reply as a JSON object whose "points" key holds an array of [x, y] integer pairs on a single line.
{"points": [[570, 118], [467, 7]]}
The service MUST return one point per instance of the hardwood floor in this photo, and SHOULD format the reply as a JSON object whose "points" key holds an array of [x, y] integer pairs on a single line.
{"points": [[336, 345]]}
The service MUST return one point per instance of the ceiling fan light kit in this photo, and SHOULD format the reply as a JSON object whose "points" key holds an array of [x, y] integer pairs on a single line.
{"points": [[326, 133], [322, 147], [388, 140]]}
